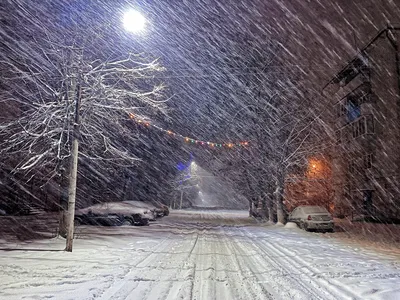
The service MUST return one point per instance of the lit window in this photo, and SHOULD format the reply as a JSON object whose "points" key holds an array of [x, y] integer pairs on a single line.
{"points": [[353, 108]]}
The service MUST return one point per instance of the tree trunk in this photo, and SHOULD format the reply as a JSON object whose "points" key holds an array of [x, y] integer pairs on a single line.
{"points": [[279, 201], [260, 208], [127, 182], [270, 212], [180, 206], [250, 207], [279, 209]]}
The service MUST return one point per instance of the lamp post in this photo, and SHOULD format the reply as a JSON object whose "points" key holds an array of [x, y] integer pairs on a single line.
{"points": [[134, 22]]}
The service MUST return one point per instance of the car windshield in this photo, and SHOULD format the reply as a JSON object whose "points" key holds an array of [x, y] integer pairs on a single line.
{"points": [[314, 210]]}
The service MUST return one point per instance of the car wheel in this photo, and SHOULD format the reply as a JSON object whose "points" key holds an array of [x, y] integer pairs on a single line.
{"points": [[127, 222], [77, 221], [305, 227]]}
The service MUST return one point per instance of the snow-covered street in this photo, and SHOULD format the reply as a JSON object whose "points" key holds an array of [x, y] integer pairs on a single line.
{"points": [[196, 255]]}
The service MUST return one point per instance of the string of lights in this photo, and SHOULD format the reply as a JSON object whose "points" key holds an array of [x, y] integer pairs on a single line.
{"points": [[187, 139]]}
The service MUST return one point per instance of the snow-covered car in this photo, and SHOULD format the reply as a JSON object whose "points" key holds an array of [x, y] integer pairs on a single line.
{"points": [[112, 214], [161, 211], [148, 209], [90, 218], [165, 210], [312, 218], [154, 211]]}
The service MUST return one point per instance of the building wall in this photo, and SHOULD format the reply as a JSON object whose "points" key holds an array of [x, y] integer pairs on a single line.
{"points": [[385, 171], [368, 162]]}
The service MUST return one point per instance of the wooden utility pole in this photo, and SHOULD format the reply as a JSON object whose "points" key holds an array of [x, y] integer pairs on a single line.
{"points": [[73, 171]]}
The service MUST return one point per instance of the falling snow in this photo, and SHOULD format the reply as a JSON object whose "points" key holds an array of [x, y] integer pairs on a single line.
{"points": [[229, 114]]}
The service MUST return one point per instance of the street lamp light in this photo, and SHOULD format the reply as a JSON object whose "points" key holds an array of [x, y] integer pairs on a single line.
{"points": [[134, 21]]}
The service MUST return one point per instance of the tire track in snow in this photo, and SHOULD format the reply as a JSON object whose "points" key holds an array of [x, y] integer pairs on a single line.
{"points": [[250, 288], [297, 261], [275, 272], [203, 262], [176, 283], [218, 275], [112, 291], [311, 286], [204, 272], [152, 278], [266, 271]]}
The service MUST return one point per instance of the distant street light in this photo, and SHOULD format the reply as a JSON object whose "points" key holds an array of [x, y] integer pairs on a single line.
{"points": [[134, 21]]}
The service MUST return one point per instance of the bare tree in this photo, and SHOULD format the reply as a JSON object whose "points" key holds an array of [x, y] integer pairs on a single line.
{"points": [[292, 135], [286, 131], [70, 104]]}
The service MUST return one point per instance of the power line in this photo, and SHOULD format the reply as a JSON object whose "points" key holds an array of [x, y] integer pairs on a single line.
{"points": [[226, 71]]}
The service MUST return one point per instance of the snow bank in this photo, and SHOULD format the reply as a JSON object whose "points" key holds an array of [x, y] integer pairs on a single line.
{"points": [[291, 225]]}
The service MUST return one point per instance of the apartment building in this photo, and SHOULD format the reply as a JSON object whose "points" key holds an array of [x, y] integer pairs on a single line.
{"points": [[365, 113]]}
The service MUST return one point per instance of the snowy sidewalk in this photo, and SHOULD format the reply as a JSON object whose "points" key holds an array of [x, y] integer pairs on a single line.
{"points": [[196, 255]]}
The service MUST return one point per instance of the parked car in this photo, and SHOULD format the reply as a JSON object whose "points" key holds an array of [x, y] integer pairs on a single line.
{"points": [[312, 218], [165, 210], [112, 214], [107, 219], [139, 220], [156, 210], [161, 211]]}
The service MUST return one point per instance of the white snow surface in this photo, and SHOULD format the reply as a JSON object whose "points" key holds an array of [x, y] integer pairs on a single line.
{"points": [[291, 225], [196, 255]]}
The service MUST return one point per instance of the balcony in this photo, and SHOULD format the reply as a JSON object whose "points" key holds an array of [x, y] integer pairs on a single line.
{"points": [[359, 66], [358, 134], [352, 106]]}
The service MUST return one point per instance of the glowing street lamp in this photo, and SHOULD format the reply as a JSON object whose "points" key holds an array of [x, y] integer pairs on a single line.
{"points": [[134, 21]]}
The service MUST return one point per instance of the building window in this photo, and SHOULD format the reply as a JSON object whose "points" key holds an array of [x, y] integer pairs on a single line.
{"points": [[356, 67], [353, 108], [350, 105], [363, 125], [370, 126], [358, 128], [340, 109], [368, 160]]}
